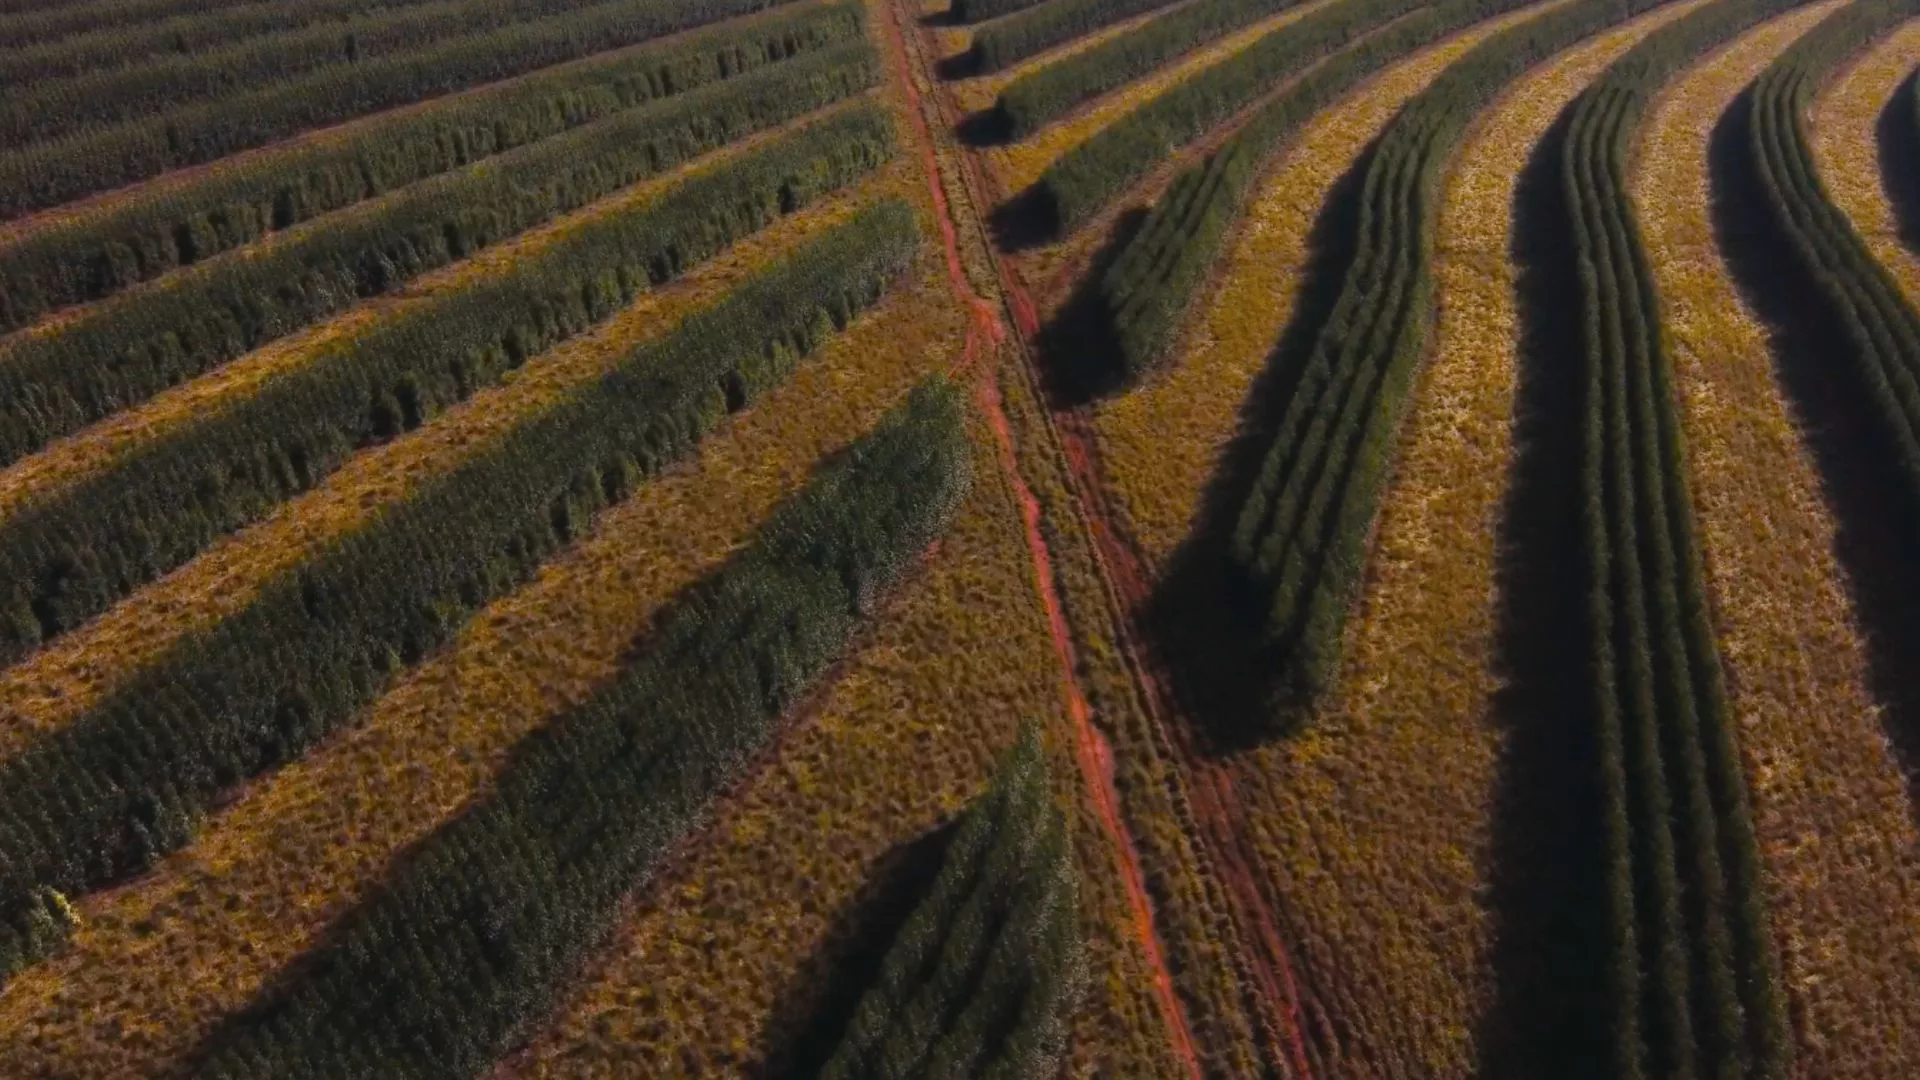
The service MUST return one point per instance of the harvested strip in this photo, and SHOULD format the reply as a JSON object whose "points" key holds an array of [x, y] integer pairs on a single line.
{"points": [[1829, 806], [1018, 166], [307, 842], [75, 671], [1845, 119]]}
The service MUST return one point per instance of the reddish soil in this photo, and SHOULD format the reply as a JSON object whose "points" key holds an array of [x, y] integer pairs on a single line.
{"points": [[1095, 757]]}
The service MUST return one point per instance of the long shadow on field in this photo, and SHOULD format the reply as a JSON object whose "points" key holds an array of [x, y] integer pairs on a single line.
{"points": [[1876, 530], [814, 1008], [1898, 133], [1547, 1016], [1076, 347], [1204, 621]]}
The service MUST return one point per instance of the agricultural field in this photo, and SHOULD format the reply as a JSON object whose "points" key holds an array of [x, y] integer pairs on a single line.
{"points": [[840, 539]]}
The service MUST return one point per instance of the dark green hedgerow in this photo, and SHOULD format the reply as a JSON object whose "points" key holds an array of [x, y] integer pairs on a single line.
{"points": [[41, 107], [68, 557], [1075, 187], [1880, 348], [124, 783], [24, 22], [1301, 533], [1038, 29], [95, 255], [971, 11], [1147, 291], [1693, 983], [133, 346], [477, 929], [51, 173], [983, 977]]}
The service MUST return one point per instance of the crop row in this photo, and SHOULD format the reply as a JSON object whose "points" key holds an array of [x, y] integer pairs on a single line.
{"points": [[1075, 187], [1301, 532], [133, 346], [124, 783], [1156, 278], [479, 926], [971, 11], [127, 41], [1040, 28], [1880, 330], [1692, 982], [1034, 100], [69, 556], [23, 22], [982, 977], [51, 173], [43, 108], [94, 255]]}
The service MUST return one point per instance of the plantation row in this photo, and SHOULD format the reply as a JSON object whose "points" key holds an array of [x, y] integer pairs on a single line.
{"points": [[1034, 100], [51, 173], [1692, 983], [1300, 535], [477, 928], [119, 786], [23, 22], [981, 980], [1083, 180], [69, 556], [1040, 28], [95, 255], [44, 108], [127, 41], [968, 11], [131, 347], [1880, 347], [1155, 279]]}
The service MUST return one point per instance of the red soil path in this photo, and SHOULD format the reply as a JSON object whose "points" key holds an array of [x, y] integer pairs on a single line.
{"points": [[1094, 756]]}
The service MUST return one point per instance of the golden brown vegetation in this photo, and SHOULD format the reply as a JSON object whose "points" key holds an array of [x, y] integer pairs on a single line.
{"points": [[1832, 816], [1844, 144]]}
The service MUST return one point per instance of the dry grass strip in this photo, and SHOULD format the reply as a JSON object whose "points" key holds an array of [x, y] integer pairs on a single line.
{"points": [[1844, 148]]}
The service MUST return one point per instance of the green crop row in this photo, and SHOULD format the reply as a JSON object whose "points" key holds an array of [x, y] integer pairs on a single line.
{"points": [[1075, 187], [1692, 983], [50, 173], [25, 22], [44, 107], [1040, 28], [971, 11], [479, 927], [69, 556], [124, 783], [95, 255], [1035, 100], [1301, 533], [1879, 349], [983, 976], [135, 345], [1146, 293]]}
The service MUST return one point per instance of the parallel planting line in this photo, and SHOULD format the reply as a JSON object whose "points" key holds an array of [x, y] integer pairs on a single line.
{"points": [[320, 641], [303, 845], [1845, 123], [1029, 33]]}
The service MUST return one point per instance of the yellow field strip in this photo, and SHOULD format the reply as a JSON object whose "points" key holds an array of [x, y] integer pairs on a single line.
{"points": [[1845, 149], [1837, 841], [90, 451], [1018, 165], [74, 671]]}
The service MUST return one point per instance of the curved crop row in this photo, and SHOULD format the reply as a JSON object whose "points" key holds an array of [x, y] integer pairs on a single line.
{"points": [[68, 557], [124, 42], [124, 783], [981, 978], [1035, 30], [94, 255], [1880, 328], [1692, 982], [1076, 186], [1301, 533], [55, 172], [44, 107], [1155, 279], [510, 897], [1035, 99], [134, 346]]}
